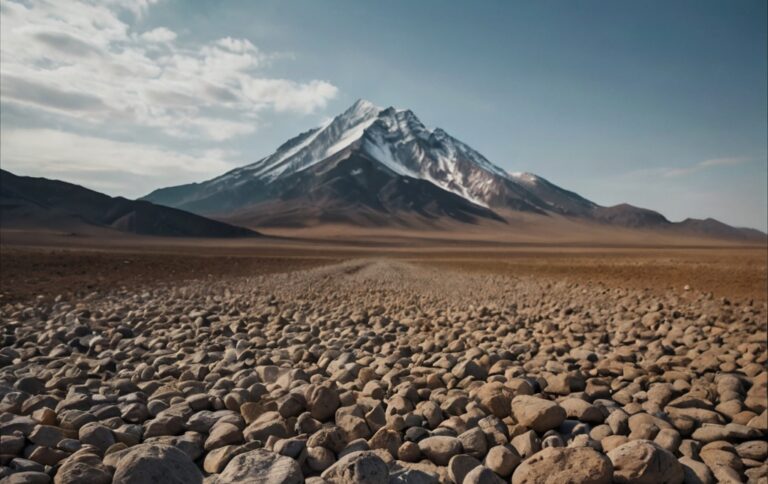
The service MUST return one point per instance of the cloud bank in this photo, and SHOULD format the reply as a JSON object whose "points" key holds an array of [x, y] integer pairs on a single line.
{"points": [[80, 60]]}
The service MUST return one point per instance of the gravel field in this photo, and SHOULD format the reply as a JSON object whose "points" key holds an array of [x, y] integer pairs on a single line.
{"points": [[382, 371]]}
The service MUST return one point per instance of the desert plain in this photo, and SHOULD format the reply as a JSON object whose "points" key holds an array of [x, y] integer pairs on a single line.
{"points": [[301, 357]]}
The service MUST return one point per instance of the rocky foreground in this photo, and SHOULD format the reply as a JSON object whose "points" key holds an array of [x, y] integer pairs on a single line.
{"points": [[383, 372]]}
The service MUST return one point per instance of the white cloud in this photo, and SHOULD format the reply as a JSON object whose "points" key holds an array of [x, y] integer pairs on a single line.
{"points": [[674, 171], [160, 35], [289, 95], [86, 160], [703, 165], [80, 60]]}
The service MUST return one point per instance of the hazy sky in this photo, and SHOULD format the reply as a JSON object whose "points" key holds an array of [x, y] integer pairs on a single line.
{"points": [[659, 104]]}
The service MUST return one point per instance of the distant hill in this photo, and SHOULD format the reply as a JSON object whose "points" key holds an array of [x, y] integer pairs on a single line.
{"points": [[27, 202]]}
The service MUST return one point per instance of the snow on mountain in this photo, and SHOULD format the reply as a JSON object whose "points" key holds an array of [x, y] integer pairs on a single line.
{"points": [[315, 145]]}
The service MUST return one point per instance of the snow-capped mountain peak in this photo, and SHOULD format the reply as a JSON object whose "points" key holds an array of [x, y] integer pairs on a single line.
{"points": [[400, 143], [314, 145], [361, 107]]}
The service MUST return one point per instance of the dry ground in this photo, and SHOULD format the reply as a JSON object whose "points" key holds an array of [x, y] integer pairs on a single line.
{"points": [[276, 360], [48, 266]]}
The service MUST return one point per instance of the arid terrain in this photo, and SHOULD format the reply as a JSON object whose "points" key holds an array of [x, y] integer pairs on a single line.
{"points": [[284, 360]]}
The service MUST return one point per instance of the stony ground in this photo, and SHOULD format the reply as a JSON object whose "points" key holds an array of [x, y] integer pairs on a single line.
{"points": [[377, 371]]}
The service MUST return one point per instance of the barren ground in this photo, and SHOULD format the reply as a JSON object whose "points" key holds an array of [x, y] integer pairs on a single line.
{"points": [[57, 265], [285, 361]]}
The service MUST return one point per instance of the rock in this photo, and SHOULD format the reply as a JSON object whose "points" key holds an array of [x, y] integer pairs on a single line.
{"points": [[27, 477], [262, 430], [618, 420], [323, 402], [668, 439], [552, 441], [364, 467], [536, 413], [581, 465], [329, 437], [482, 475], [25, 425], [12, 444], [474, 442], [409, 452], [191, 443], [46, 435], [319, 458], [47, 455], [642, 461], [166, 425], [757, 474], [87, 468], [563, 384], [292, 448], [21, 465], [353, 428], [496, 398], [696, 472], [526, 444], [386, 439], [712, 432], [150, 463], [223, 434], [502, 460], [97, 435], [260, 467], [440, 449], [754, 449], [582, 411], [460, 465], [217, 459], [413, 476], [726, 466]]}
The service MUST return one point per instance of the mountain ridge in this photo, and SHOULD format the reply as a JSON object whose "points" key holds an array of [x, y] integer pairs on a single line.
{"points": [[33, 202], [397, 144]]}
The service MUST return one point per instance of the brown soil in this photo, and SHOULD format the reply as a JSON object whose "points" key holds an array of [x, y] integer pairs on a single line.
{"points": [[28, 273], [725, 272], [34, 265]]}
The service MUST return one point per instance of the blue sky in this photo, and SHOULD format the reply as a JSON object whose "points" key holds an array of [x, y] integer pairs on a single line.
{"points": [[658, 104]]}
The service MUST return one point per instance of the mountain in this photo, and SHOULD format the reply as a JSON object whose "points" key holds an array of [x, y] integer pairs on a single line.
{"points": [[27, 202], [373, 166], [714, 228]]}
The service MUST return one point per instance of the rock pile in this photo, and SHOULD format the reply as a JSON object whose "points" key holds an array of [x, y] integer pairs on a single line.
{"points": [[383, 372]]}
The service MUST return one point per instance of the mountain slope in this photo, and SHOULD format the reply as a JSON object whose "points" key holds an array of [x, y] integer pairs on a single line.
{"points": [[373, 166], [714, 228], [394, 139], [51, 204]]}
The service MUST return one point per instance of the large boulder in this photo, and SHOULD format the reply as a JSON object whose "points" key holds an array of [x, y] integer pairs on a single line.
{"points": [[440, 449], [537, 413], [576, 465], [496, 398], [151, 463], [644, 462], [362, 467], [260, 467], [460, 465], [85, 467], [323, 402], [502, 460]]}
